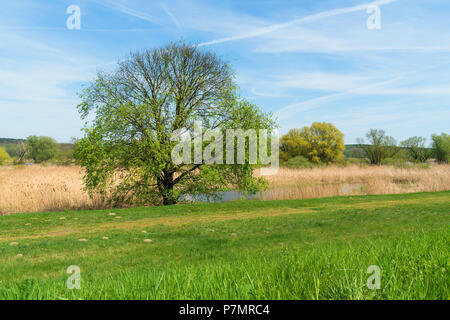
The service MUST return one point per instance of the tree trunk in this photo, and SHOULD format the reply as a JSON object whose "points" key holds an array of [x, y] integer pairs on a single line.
{"points": [[166, 188], [168, 198]]}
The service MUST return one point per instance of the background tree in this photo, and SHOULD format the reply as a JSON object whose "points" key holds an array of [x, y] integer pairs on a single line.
{"points": [[354, 151], [126, 151], [379, 146], [14, 149], [441, 147], [415, 149], [321, 143], [18, 151], [67, 151], [292, 145], [4, 156], [41, 149]]}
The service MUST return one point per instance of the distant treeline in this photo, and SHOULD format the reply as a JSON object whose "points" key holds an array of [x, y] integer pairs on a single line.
{"points": [[323, 144], [36, 150], [319, 144], [9, 140]]}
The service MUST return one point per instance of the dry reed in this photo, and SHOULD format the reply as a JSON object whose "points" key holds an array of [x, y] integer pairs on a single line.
{"points": [[51, 188], [355, 180], [43, 188]]}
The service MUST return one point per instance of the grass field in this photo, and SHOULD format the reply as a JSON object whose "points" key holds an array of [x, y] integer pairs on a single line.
{"points": [[290, 249]]}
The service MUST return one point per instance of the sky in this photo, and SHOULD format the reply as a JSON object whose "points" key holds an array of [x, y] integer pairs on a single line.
{"points": [[303, 60]]}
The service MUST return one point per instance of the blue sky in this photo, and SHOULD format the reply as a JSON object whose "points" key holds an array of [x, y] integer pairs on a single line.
{"points": [[304, 60]]}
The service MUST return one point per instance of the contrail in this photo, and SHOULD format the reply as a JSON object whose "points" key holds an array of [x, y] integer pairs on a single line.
{"points": [[127, 10], [311, 18], [170, 14]]}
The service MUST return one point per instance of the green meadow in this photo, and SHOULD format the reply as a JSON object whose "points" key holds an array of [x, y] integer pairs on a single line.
{"points": [[290, 249]]}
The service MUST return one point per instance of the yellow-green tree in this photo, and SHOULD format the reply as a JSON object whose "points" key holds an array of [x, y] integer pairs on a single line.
{"points": [[322, 142], [4, 156], [292, 145]]}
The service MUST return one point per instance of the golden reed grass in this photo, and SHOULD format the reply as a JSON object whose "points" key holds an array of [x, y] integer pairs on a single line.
{"points": [[52, 188], [355, 180], [43, 188]]}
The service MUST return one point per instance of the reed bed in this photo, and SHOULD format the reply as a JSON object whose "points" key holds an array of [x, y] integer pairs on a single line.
{"points": [[56, 188], [355, 180], [44, 188]]}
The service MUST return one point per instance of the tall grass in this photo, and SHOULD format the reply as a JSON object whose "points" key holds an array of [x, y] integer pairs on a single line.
{"points": [[412, 267], [355, 180], [50, 188], [43, 188]]}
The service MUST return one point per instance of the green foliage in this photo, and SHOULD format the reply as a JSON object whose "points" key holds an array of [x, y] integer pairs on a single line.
{"points": [[402, 163], [66, 154], [357, 161], [4, 157], [441, 147], [299, 162], [19, 150], [321, 143], [127, 148], [292, 145], [416, 150], [42, 149], [354, 151], [379, 147], [396, 162], [13, 149]]}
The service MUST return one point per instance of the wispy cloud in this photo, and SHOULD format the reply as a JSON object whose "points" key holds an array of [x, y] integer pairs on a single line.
{"points": [[308, 19], [373, 88], [170, 14], [127, 10], [322, 81], [355, 84], [38, 85], [266, 93], [322, 64]]}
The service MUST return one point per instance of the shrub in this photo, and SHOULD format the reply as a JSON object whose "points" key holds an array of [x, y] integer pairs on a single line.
{"points": [[354, 151], [299, 162], [441, 147], [416, 150], [396, 162], [4, 156], [358, 161]]}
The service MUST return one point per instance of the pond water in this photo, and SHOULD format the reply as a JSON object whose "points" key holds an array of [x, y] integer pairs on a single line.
{"points": [[223, 196]]}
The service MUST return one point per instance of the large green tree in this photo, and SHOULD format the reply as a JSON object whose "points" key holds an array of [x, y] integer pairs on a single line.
{"points": [[134, 111]]}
